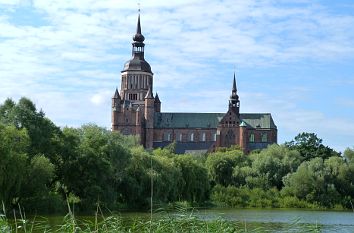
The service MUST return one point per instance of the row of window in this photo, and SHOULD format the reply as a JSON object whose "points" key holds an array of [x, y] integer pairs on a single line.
{"points": [[133, 96], [138, 81], [191, 137], [264, 137], [202, 137]]}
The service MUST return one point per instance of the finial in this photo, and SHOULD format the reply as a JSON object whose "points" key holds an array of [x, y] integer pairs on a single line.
{"points": [[139, 7]]}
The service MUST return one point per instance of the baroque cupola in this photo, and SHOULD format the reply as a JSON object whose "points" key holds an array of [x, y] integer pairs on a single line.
{"points": [[137, 62]]}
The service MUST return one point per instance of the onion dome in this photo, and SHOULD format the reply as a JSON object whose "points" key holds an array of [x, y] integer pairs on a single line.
{"points": [[137, 62], [138, 37]]}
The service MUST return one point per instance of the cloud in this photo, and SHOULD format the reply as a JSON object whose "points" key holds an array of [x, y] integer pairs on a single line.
{"points": [[100, 97], [73, 58]]}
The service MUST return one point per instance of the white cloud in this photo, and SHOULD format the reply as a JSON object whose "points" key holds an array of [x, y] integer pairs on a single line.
{"points": [[75, 58], [101, 97]]}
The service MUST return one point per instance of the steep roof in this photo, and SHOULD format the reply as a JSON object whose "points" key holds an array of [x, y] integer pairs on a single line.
{"points": [[187, 120], [258, 120], [209, 120]]}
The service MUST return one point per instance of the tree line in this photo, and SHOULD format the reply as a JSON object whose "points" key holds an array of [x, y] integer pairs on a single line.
{"points": [[43, 166]]}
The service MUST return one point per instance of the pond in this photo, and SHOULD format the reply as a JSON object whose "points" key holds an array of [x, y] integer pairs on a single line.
{"points": [[278, 219], [270, 220]]}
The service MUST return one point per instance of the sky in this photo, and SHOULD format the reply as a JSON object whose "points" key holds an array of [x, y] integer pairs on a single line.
{"points": [[292, 58]]}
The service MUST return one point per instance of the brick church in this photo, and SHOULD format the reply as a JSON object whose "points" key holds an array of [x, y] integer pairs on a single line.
{"points": [[136, 111]]}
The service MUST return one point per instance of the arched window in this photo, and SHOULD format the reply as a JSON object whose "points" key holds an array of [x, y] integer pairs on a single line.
{"points": [[167, 136], [251, 137], [203, 137], [191, 137], [179, 137], [264, 137]]}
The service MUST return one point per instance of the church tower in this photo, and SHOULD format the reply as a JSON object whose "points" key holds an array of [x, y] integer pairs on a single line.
{"points": [[129, 115], [231, 130]]}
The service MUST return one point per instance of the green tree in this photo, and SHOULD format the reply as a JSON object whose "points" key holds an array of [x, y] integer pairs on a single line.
{"points": [[93, 164], [316, 181], [136, 186], [39, 173], [270, 166], [195, 183], [42, 132], [349, 154], [310, 146], [13, 157], [221, 165]]}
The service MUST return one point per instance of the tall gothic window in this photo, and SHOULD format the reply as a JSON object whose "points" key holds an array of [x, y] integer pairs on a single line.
{"points": [[167, 136], [203, 137], [251, 139], [179, 137], [229, 138], [191, 137]]}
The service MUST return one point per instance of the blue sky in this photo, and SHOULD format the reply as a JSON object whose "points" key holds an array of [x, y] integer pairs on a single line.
{"points": [[293, 58]]}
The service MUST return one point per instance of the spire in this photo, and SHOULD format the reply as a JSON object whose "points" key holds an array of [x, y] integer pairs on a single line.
{"points": [[157, 99], [138, 37], [138, 27], [234, 102], [234, 89], [149, 94], [116, 94]]}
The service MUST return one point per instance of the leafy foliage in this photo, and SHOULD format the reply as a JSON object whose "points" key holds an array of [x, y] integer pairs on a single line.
{"points": [[310, 146], [43, 166]]}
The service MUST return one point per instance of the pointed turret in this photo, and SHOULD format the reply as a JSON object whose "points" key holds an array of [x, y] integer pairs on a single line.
{"points": [[116, 95], [157, 99], [116, 101], [157, 103], [149, 118]]}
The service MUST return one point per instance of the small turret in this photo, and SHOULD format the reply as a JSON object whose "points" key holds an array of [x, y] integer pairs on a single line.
{"points": [[157, 103], [149, 118], [116, 109], [116, 101]]}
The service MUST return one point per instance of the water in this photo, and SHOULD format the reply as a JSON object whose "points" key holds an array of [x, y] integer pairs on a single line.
{"points": [[329, 221], [272, 220]]}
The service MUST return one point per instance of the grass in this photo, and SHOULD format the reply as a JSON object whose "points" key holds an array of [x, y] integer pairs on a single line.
{"points": [[184, 220]]}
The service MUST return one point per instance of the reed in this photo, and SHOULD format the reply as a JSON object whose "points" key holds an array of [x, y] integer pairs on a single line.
{"points": [[175, 219]]}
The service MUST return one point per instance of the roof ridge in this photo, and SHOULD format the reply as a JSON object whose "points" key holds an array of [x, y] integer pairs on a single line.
{"points": [[193, 112]]}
